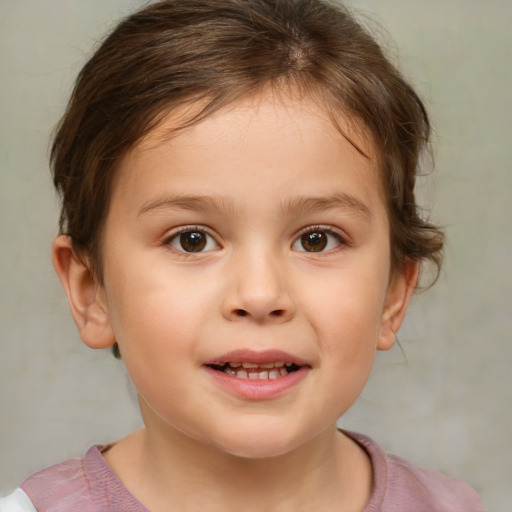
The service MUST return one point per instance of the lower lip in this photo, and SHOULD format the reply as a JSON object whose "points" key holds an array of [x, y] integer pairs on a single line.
{"points": [[258, 389]]}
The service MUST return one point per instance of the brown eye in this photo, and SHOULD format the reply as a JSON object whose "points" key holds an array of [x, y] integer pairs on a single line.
{"points": [[314, 241], [193, 241], [318, 240]]}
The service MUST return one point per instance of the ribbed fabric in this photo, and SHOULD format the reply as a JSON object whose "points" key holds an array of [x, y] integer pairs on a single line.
{"points": [[80, 485], [400, 486], [89, 485]]}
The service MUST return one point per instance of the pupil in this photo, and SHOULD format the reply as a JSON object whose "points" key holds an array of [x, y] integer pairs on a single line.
{"points": [[315, 241], [193, 241]]}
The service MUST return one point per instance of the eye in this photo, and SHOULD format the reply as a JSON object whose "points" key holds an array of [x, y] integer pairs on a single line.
{"points": [[192, 240], [318, 239]]}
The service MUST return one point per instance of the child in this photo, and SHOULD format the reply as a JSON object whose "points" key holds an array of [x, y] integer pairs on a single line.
{"points": [[239, 224]]}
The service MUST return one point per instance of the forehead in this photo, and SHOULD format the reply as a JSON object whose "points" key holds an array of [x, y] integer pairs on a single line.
{"points": [[270, 106], [267, 140]]}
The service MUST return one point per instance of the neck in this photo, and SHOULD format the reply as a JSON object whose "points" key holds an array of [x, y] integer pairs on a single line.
{"points": [[172, 471]]}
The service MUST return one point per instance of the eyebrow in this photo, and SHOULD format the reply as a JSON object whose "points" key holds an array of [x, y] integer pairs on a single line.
{"points": [[307, 205], [300, 205], [188, 202]]}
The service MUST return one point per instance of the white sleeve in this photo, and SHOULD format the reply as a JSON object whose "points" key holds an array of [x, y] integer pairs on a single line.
{"points": [[18, 501]]}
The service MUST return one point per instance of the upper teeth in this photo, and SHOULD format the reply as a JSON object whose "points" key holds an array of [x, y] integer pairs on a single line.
{"points": [[257, 370], [258, 374], [258, 365]]}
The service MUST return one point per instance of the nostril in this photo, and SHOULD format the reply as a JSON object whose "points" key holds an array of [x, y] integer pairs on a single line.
{"points": [[276, 313]]}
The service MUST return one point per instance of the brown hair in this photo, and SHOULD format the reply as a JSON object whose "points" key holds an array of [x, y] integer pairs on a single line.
{"points": [[176, 52]]}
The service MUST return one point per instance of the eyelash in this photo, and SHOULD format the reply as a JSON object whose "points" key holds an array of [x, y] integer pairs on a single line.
{"points": [[323, 246]]}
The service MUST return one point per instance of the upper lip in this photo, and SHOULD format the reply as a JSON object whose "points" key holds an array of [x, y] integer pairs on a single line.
{"points": [[255, 356]]}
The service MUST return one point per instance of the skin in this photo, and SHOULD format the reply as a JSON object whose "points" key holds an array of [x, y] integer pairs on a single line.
{"points": [[266, 170]]}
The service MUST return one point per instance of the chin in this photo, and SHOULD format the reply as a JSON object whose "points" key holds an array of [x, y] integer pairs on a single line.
{"points": [[257, 451], [259, 444]]}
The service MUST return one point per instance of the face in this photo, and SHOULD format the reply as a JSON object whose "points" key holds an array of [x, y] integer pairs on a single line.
{"points": [[246, 275]]}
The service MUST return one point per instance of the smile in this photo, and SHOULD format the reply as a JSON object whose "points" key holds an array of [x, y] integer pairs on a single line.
{"points": [[256, 371]]}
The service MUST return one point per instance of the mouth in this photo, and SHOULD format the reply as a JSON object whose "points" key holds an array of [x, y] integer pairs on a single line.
{"points": [[256, 371], [257, 375]]}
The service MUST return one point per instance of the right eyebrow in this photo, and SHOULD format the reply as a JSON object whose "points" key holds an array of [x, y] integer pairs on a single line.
{"points": [[187, 202]]}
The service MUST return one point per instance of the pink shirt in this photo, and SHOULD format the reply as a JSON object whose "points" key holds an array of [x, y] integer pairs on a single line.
{"points": [[89, 485]]}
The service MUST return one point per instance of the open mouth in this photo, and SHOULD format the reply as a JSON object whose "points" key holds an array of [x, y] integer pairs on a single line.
{"points": [[256, 371]]}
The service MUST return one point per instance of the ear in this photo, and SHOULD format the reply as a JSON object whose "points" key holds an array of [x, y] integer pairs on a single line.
{"points": [[400, 290], [85, 295]]}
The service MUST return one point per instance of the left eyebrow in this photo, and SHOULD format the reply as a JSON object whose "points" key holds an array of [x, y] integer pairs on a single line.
{"points": [[304, 205]]}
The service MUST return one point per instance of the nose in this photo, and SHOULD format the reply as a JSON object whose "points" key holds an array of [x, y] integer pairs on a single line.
{"points": [[258, 291]]}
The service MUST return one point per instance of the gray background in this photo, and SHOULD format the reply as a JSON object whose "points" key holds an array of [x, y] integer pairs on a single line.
{"points": [[445, 402]]}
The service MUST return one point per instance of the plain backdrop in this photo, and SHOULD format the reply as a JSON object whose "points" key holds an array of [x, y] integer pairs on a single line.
{"points": [[444, 401]]}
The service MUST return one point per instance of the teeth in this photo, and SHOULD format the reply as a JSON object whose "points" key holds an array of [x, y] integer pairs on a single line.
{"points": [[271, 374], [267, 366], [258, 371]]}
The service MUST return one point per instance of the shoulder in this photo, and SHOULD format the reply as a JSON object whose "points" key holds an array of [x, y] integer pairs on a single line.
{"points": [[76, 484], [400, 485], [61, 487], [407, 481]]}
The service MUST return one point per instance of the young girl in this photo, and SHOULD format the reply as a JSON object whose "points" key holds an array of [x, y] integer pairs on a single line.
{"points": [[239, 225]]}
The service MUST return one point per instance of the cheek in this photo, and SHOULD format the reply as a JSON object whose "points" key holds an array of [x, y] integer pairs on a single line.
{"points": [[347, 319], [158, 312], [350, 303]]}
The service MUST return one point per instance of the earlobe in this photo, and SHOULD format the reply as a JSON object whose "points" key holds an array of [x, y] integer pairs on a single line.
{"points": [[85, 295], [399, 294]]}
